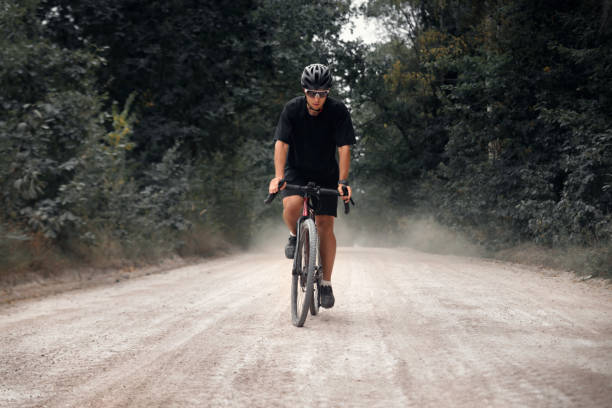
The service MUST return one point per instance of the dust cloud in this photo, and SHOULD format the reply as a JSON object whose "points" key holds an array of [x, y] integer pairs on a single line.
{"points": [[416, 232], [270, 236], [420, 233]]}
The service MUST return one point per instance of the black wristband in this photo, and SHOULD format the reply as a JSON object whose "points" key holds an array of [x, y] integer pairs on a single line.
{"points": [[345, 182]]}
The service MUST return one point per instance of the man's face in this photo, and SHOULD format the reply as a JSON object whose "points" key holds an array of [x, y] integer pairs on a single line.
{"points": [[316, 98]]}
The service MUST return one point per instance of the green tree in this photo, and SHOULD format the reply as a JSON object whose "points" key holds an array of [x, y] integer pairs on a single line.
{"points": [[494, 116], [212, 79], [526, 108], [67, 177], [50, 106]]}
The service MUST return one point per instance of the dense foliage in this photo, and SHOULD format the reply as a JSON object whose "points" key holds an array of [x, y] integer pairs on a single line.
{"points": [[128, 126], [132, 127], [494, 116]]}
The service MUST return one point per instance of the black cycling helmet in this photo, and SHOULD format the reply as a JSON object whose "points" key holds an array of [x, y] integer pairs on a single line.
{"points": [[316, 76]]}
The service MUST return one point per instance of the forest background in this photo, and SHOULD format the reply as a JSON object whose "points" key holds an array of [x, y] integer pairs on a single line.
{"points": [[133, 130]]}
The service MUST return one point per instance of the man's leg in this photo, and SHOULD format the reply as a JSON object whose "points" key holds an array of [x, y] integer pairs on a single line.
{"points": [[292, 206], [327, 245], [292, 209]]}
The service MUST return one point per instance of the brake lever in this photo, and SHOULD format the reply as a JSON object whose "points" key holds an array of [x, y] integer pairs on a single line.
{"points": [[347, 207]]}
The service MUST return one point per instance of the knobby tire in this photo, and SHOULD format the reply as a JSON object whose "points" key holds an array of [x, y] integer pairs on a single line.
{"points": [[315, 303], [303, 281]]}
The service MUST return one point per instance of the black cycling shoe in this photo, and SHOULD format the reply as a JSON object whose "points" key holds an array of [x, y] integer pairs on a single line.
{"points": [[327, 297], [290, 247]]}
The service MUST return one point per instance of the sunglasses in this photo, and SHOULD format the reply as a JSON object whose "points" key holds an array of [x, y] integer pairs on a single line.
{"points": [[313, 94]]}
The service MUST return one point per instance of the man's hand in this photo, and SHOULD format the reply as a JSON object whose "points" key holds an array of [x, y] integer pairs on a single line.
{"points": [[273, 189], [347, 197]]}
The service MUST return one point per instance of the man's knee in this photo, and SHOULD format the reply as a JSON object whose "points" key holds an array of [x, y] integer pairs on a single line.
{"points": [[325, 224], [292, 204], [292, 207]]}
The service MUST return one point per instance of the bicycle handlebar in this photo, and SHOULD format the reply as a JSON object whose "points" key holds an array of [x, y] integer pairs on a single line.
{"points": [[311, 189]]}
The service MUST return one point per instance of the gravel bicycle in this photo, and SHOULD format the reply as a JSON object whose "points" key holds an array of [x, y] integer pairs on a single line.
{"points": [[307, 271]]}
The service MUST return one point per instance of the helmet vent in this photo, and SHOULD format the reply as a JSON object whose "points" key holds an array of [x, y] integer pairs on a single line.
{"points": [[316, 76]]}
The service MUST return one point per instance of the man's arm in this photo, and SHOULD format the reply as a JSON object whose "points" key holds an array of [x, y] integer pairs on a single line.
{"points": [[280, 159], [344, 158]]}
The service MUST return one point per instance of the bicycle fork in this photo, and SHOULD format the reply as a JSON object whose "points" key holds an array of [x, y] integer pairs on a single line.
{"points": [[304, 216], [296, 255]]}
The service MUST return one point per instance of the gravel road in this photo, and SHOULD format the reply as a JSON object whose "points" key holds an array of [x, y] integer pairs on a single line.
{"points": [[409, 329]]}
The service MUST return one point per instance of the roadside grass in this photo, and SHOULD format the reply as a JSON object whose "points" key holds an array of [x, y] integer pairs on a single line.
{"points": [[201, 242], [35, 258], [28, 259], [587, 262], [425, 234]]}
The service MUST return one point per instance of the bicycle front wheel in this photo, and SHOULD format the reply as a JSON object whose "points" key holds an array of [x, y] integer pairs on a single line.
{"points": [[303, 277]]}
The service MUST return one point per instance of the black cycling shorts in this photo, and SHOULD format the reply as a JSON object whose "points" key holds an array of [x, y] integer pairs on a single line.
{"points": [[327, 204]]}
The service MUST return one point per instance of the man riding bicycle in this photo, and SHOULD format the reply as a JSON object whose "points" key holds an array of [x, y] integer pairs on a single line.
{"points": [[309, 131]]}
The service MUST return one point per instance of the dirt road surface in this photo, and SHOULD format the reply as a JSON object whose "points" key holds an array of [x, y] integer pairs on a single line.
{"points": [[409, 329]]}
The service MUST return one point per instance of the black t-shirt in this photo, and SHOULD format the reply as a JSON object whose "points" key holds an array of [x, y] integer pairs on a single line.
{"points": [[313, 140]]}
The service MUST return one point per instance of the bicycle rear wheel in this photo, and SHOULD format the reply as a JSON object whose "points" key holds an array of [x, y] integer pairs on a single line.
{"points": [[303, 277], [316, 293]]}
